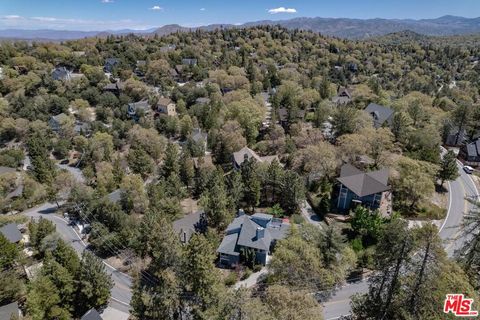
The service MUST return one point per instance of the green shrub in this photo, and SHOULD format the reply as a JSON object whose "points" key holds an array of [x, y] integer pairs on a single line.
{"points": [[231, 279], [246, 274]]}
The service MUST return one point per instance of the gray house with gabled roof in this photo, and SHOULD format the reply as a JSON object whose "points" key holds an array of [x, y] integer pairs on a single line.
{"points": [[364, 188], [258, 232], [110, 63], [143, 107], [380, 115], [470, 153]]}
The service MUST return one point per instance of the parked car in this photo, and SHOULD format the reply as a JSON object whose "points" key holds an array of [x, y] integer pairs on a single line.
{"points": [[468, 169]]}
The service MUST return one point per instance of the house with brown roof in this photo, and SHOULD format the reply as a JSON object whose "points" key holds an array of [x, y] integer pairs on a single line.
{"points": [[246, 154], [343, 96], [166, 106], [368, 189]]}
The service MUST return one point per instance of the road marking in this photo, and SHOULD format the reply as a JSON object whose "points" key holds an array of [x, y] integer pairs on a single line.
{"points": [[120, 301], [449, 206], [335, 318]]}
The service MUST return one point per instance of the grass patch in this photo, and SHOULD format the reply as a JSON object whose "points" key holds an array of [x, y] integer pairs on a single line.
{"points": [[431, 211], [16, 218], [297, 218]]}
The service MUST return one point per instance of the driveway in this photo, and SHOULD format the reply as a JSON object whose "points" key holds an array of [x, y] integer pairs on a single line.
{"points": [[450, 232], [121, 292]]}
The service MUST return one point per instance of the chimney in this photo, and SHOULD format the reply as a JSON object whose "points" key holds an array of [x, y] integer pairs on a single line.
{"points": [[260, 233]]}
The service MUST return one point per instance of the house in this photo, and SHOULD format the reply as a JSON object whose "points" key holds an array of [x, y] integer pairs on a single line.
{"points": [[136, 108], [343, 96], [81, 127], [202, 101], [381, 115], [470, 153], [189, 62], [91, 314], [166, 106], [258, 232], [115, 88], [203, 162], [167, 48], [115, 196], [454, 137], [61, 74], [110, 64], [365, 188], [284, 116], [200, 138], [190, 224], [11, 233], [9, 311], [246, 153], [55, 122]]}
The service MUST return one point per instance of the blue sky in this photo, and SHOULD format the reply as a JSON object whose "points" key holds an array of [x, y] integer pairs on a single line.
{"points": [[143, 14]]}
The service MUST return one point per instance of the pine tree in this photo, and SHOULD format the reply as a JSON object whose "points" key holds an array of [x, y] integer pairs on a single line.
{"points": [[216, 203], [187, 171], [251, 183], [448, 170], [93, 284], [171, 163]]}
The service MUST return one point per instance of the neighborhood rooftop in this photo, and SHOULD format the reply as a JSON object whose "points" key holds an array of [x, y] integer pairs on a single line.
{"points": [[11, 232], [364, 183]]}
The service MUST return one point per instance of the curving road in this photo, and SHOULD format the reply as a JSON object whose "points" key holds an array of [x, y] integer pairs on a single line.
{"points": [[121, 291], [450, 231]]}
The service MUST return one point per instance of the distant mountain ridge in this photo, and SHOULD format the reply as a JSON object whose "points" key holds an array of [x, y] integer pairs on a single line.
{"points": [[338, 27]]}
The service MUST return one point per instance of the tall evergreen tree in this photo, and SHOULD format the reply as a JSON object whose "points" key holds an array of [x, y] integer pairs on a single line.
{"points": [[93, 284], [448, 170]]}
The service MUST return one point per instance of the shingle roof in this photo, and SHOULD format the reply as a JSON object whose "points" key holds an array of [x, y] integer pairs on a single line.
{"points": [[91, 314], [380, 114], [11, 232], [244, 231], [140, 105], [247, 153], [115, 196], [8, 310], [202, 100], [60, 73], [364, 183], [473, 148], [189, 224], [164, 101]]}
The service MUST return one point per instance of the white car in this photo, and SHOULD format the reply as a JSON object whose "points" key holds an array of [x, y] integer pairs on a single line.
{"points": [[468, 169]]}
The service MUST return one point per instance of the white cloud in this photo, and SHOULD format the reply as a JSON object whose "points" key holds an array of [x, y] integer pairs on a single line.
{"points": [[58, 23], [202, 9], [12, 17], [282, 10], [156, 8], [107, 1]]}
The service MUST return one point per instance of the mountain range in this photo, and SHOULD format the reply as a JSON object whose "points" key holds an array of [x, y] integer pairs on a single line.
{"points": [[338, 27]]}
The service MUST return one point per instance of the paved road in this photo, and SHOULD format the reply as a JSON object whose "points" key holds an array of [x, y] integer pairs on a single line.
{"points": [[121, 291], [450, 231], [77, 173]]}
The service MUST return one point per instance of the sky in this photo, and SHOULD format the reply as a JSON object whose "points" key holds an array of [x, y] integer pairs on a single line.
{"points": [[95, 15]]}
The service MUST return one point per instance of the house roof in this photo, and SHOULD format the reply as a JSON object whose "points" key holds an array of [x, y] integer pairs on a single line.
{"points": [[190, 224], [202, 100], [112, 61], [473, 148], [283, 114], [8, 310], [164, 101], [207, 162], [140, 105], [245, 153], [115, 196], [91, 314], [364, 183], [59, 117], [245, 231], [60, 73], [198, 135], [380, 114], [11, 232]]}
